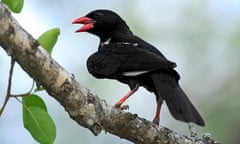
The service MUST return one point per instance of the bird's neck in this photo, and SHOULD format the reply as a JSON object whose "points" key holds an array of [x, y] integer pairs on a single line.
{"points": [[116, 36]]}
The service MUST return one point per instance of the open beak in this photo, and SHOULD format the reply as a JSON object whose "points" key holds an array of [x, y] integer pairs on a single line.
{"points": [[87, 23]]}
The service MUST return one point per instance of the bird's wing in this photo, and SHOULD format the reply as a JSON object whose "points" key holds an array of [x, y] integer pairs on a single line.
{"points": [[132, 59]]}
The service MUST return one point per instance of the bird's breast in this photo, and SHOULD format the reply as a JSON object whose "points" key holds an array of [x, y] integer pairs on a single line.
{"points": [[100, 65], [95, 65]]}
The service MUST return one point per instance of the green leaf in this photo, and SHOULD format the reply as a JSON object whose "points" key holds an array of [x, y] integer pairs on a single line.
{"points": [[15, 5], [39, 124], [37, 121], [35, 101], [48, 39]]}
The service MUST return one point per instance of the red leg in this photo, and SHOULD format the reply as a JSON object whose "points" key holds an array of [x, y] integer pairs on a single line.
{"points": [[157, 115], [124, 98]]}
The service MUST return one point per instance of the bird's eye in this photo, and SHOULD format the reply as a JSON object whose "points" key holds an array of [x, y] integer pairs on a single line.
{"points": [[97, 15]]}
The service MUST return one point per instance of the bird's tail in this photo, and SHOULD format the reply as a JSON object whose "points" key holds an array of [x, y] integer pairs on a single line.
{"points": [[166, 85]]}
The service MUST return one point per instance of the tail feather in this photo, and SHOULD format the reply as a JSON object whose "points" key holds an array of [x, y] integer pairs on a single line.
{"points": [[178, 103]]}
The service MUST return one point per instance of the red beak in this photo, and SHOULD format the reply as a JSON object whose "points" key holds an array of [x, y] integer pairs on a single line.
{"points": [[88, 23]]}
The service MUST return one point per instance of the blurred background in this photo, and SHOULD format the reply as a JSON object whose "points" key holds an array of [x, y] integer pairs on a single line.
{"points": [[202, 37]]}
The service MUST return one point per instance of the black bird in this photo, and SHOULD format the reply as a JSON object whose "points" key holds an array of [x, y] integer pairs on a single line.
{"points": [[127, 58]]}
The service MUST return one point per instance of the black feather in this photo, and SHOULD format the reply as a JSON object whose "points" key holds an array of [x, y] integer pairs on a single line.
{"points": [[178, 103]]}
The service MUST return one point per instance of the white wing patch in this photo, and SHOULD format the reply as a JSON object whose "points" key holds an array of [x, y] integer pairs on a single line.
{"points": [[107, 42], [134, 73], [127, 43]]}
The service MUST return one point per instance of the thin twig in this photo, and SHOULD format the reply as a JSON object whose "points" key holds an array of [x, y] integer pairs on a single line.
{"points": [[8, 95], [18, 100], [24, 94]]}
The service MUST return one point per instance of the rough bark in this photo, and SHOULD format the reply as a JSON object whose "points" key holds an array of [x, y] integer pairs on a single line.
{"points": [[82, 105]]}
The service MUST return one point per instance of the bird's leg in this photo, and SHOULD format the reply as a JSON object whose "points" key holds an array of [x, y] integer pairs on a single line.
{"points": [[124, 98], [157, 115]]}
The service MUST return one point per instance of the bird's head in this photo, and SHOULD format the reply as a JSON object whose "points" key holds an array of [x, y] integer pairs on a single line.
{"points": [[103, 23]]}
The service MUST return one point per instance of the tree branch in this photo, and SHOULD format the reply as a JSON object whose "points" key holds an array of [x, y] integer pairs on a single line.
{"points": [[82, 105]]}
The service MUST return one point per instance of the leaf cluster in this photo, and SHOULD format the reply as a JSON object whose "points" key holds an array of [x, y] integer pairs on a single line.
{"points": [[36, 118]]}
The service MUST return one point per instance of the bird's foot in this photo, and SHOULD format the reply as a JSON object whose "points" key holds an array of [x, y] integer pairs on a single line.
{"points": [[156, 121], [123, 107]]}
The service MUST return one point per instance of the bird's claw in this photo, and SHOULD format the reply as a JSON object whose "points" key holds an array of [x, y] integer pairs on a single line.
{"points": [[156, 121], [123, 107]]}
